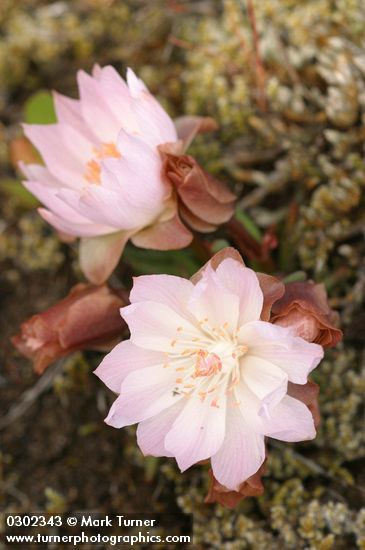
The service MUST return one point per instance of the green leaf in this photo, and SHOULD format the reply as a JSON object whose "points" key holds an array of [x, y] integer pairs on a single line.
{"points": [[183, 263], [295, 277], [219, 244], [248, 224], [14, 189], [39, 109]]}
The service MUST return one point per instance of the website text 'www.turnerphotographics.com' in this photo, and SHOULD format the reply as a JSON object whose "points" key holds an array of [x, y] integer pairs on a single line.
{"points": [[81, 528]]}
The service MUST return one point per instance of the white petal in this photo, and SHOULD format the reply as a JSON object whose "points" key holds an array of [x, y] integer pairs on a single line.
{"points": [[198, 432], [151, 433], [144, 393], [72, 228], [157, 127], [95, 110], [68, 111], [211, 300], [81, 226], [135, 84], [116, 416], [64, 150], [101, 206], [158, 327], [124, 359], [137, 174], [119, 99], [241, 454], [39, 173], [100, 255], [265, 380], [242, 281], [279, 346], [290, 420], [170, 290]]}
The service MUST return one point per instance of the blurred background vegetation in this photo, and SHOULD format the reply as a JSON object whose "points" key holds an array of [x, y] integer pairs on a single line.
{"points": [[285, 80]]}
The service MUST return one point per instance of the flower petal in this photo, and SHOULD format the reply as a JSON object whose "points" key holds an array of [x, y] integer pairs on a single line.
{"points": [[64, 150], [136, 85], [71, 229], [137, 173], [292, 354], [215, 261], [290, 420], [119, 98], [193, 221], [212, 301], [164, 235], [125, 358], [116, 417], [265, 380], [102, 206], [307, 394], [68, 111], [170, 290], [197, 433], [49, 196], [187, 127], [157, 125], [151, 433], [41, 174], [100, 255], [95, 109], [241, 280], [144, 393], [158, 327], [241, 454]]}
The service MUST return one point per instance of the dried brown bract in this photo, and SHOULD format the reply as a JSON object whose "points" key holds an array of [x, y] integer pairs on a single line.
{"points": [[88, 318]]}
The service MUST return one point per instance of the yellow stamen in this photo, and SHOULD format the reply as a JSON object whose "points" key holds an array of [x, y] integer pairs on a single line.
{"points": [[92, 173]]}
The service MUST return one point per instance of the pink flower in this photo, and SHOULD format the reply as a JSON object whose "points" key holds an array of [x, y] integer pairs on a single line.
{"points": [[253, 486], [204, 375], [102, 177]]}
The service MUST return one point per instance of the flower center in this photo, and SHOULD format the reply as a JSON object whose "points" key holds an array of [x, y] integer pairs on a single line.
{"points": [[208, 365], [92, 173]]}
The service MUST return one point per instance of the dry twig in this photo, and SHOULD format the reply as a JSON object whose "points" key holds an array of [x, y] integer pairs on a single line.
{"points": [[28, 398]]}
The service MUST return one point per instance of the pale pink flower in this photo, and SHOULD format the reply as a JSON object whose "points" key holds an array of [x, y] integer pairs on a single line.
{"points": [[102, 177], [204, 376]]}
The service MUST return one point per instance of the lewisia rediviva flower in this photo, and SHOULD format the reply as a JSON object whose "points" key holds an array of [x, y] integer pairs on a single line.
{"points": [[102, 180], [204, 375]]}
